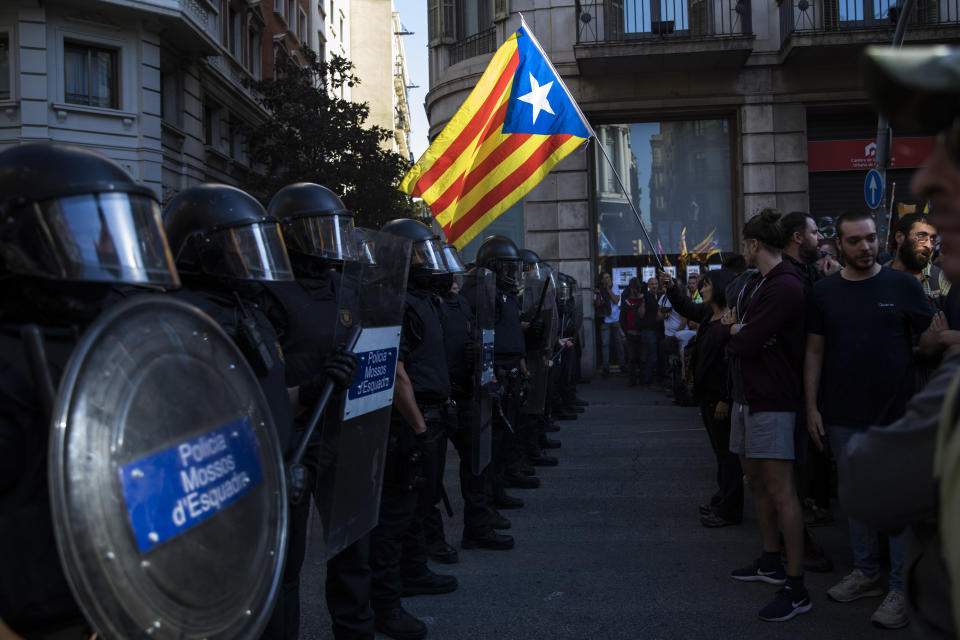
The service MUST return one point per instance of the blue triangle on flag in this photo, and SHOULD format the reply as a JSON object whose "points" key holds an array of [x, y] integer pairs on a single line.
{"points": [[530, 81]]}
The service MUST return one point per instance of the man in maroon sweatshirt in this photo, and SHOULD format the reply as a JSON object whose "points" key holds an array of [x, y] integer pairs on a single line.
{"points": [[766, 353]]}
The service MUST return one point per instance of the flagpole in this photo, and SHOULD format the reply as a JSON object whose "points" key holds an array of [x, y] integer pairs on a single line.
{"points": [[630, 200]]}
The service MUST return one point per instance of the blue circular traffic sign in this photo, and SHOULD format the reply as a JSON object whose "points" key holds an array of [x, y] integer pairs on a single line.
{"points": [[873, 188]]}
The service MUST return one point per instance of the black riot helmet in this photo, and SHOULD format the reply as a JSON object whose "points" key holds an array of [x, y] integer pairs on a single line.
{"points": [[427, 267], [314, 222], [222, 231], [500, 255], [68, 213], [565, 287], [533, 266]]}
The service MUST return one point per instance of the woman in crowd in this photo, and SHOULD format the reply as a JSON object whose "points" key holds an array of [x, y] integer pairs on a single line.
{"points": [[711, 390]]}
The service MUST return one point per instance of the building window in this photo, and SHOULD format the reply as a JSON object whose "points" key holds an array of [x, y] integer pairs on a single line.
{"points": [[254, 45], [4, 66], [211, 124], [291, 14], [677, 174], [171, 98], [235, 27], [342, 36], [90, 75], [278, 6], [302, 27], [474, 16]]}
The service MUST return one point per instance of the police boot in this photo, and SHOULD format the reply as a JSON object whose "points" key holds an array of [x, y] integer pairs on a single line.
{"points": [[499, 522], [505, 501], [544, 461], [488, 540], [549, 443], [518, 480], [400, 625], [429, 584], [442, 552]]}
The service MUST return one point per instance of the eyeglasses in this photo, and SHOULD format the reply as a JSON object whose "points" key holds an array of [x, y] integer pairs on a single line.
{"points": [[922, 237]]}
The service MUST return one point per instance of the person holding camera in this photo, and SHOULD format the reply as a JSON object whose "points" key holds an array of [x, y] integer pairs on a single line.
{"points": [[607, 304]]}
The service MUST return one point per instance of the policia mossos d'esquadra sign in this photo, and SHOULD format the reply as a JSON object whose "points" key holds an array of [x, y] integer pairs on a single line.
{"points": [[353, 449], [166, 481], [539, 303]]}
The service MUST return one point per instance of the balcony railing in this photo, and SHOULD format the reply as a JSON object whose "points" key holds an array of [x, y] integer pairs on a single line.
{"points": [[475, 45], [619, 20], [824, 16]]}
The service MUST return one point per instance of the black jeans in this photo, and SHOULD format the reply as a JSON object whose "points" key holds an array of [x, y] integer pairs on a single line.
{"points": [[284, 623], [398, 511], [729, 474], [477, 502], [348, 592]]}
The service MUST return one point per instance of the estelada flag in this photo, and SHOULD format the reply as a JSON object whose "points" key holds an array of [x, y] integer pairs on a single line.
{"points": [[516, 125]]}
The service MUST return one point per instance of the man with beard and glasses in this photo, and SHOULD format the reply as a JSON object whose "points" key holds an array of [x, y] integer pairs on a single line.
{"points": [[862, 325], [916, 238]]}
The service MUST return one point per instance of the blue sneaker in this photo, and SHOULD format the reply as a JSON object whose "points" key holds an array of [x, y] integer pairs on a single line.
{"points": [[786, 604], [753, 573]]}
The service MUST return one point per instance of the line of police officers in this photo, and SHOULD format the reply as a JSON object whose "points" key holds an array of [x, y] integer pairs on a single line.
{"points": [[78, 235]]}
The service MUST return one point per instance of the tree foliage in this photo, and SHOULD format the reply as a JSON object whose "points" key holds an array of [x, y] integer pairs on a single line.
{"points": [[312, 135]]}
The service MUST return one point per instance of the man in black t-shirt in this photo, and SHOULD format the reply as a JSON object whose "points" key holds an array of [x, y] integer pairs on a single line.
{"points": [[861, 327]]}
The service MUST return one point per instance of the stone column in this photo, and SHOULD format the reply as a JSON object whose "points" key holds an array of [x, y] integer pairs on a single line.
{"points": [[773, 143]]}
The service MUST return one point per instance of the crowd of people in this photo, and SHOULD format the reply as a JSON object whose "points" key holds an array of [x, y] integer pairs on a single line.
{"points": [[804, 353]]}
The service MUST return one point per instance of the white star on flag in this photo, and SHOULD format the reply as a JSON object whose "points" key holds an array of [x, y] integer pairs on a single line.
{"points": [[537, 98]]}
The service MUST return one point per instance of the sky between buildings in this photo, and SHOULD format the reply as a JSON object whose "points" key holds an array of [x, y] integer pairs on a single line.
{"points": [[413, 16]]}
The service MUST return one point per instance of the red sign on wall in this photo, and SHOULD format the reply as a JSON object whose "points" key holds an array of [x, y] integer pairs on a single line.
{"points": [[859, 155]]}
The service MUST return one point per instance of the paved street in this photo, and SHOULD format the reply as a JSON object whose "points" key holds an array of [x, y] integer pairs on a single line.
{"points": [[610, 546]]}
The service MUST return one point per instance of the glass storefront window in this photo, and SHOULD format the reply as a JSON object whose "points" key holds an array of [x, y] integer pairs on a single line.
{"points": [[677, 174]]}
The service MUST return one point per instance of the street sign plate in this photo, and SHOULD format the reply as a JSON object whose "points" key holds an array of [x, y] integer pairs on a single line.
{"points": [[873, 188]]}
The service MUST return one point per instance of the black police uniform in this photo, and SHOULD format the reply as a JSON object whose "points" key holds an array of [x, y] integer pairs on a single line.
{"points": [[397, 547], [34, 596], [458, 335], [509, 348], [304, 313]]}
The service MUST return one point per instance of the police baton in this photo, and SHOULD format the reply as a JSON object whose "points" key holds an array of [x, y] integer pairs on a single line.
{"points": [[37, 358], [297, 472]]}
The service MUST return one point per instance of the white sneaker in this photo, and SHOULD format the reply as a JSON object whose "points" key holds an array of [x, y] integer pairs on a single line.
{"points": [[892, 612], [854, 586]]}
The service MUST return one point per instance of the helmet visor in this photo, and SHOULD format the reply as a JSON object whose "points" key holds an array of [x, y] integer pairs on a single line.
{"points": [[452, 259], [365, 245], [329, 237], [427, 254], [532, 271], [97, 237], [248, 252]]}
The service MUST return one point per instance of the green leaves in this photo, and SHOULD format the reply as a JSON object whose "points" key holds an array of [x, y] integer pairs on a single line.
{"points": [[312, 135]]}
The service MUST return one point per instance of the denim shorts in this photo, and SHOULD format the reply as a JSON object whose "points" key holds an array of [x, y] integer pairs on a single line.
{"points": [[762, 434]]}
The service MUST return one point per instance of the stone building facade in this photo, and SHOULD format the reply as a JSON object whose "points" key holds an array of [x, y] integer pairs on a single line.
{"points": [[708, 108]]}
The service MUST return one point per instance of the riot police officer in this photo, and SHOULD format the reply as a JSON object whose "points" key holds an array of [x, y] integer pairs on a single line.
{"points": [[460, 333], [63, 242], [421, 399], [226, 247], [319, 234], [539, 349], [500, 255]]}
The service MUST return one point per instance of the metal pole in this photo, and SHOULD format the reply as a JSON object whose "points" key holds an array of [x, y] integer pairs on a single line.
{"points": [[884, 133], [636, 213]]}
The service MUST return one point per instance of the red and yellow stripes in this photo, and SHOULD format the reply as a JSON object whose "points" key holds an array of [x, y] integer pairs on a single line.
{"points": [[473, 172]]}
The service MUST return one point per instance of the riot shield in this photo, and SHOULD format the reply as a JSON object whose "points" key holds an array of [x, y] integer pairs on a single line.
{"points": [[350, 476], [539, 303], [480, 289], [166, 479]]}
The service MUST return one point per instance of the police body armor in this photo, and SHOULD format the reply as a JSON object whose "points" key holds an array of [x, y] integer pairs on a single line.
{"points": [[427, 364], [351, 474], [166, 478]]}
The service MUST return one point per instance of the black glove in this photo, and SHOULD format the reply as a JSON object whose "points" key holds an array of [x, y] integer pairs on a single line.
{"points": [[341, 367]]}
